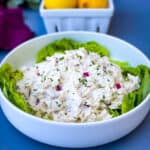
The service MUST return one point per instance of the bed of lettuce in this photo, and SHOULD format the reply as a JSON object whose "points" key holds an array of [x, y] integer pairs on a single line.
{"points": [[9, 76]]}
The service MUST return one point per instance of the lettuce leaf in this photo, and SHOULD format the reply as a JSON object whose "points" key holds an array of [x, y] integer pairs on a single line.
{"points": [[115, 112], [128, 102], [44, 52], [133, 99], [97, 48], [122, 64], [58, 46], [61, 45], [8, 79]]}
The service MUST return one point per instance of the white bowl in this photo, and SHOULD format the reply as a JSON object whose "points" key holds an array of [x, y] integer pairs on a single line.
{"points": [[75, 135]]}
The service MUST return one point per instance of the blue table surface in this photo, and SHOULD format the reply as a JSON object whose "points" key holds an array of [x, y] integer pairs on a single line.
{"points": [[131, 22]]}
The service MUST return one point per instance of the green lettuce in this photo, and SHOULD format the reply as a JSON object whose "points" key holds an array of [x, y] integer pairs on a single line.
{"points": [[115, 112], [61, 45], [128, 102], [92, 46], [122, 64], [8, 79], [131, 100]]}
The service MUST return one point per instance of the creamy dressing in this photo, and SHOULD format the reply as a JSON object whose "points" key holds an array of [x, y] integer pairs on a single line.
{"points": [[76, 86]]}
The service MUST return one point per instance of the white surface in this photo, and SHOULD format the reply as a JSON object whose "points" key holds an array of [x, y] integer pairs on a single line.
{"points": [[77, 19], [72, 134]]}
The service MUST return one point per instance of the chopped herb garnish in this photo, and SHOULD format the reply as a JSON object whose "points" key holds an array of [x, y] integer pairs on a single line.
{"points": [[108, 80], [79, 56], [66, 68], [34, 89], [44, 78], [97, 68], [49, 118], [51, 79], [104, 69], [103, 96], [99, 86], [93, 63], [59, 81], [58, 104], [61, 58], [83, 81]]}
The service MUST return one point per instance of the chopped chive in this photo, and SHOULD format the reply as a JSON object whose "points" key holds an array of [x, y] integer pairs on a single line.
{"points": [[83, 81], [61, 58], [93, 63], [51, 79], [66, 68]]}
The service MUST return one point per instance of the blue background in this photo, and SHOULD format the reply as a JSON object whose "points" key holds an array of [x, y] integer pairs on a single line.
{"points": [[131, 22]]}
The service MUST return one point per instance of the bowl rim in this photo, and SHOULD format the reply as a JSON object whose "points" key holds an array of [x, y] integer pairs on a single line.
{"points": [[52, 122]]}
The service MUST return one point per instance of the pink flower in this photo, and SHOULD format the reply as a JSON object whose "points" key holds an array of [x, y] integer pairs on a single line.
{"points": [[86, 74], [118, 85]]}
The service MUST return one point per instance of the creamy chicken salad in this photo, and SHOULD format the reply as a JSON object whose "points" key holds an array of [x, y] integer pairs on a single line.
{"points": [[75, 86], [73, 81]]}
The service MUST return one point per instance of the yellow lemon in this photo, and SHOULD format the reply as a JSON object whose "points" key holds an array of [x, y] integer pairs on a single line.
{"points": [[54, 4], [92, 3]]}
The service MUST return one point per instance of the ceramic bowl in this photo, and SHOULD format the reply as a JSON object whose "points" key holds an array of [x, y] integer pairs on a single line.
{"points": [[75, 135]]}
